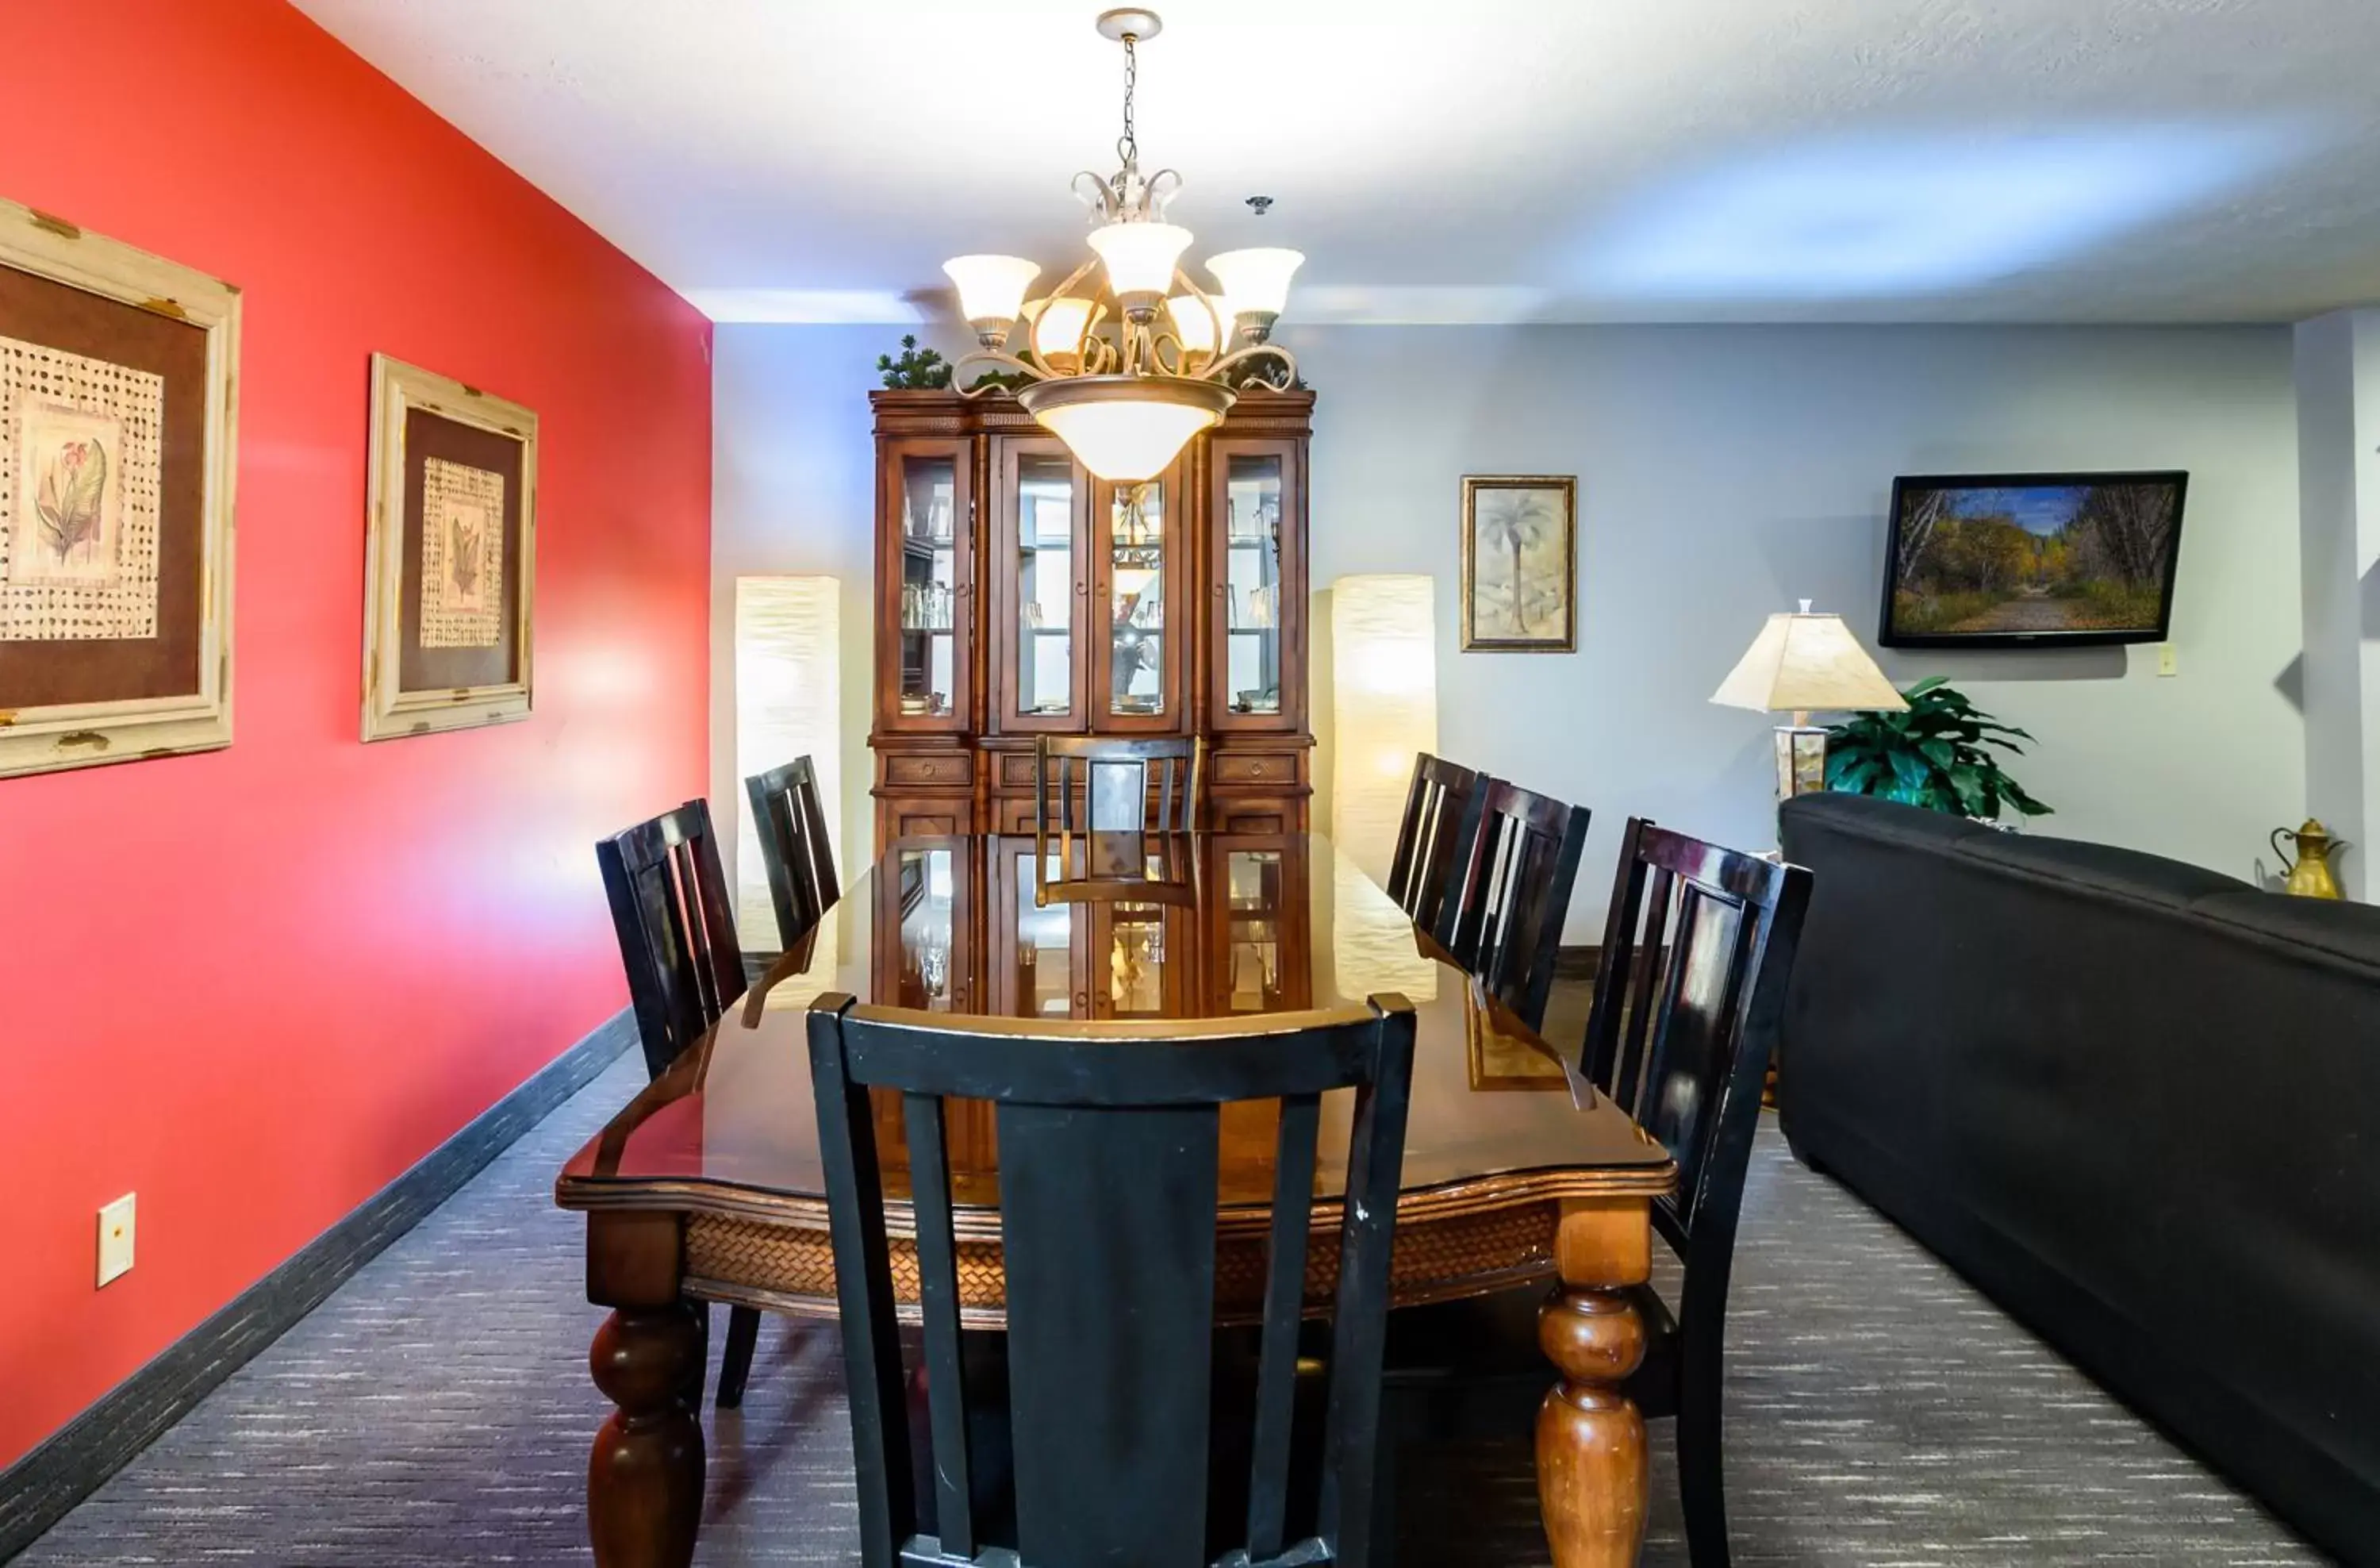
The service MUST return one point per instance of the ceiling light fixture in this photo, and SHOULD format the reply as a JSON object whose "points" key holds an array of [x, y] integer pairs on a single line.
{"points": [[1127, 388]]}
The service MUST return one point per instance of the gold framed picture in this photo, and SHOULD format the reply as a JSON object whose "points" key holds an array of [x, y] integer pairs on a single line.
{"points": [[450, 591], [1520, 564], [118, 423]]}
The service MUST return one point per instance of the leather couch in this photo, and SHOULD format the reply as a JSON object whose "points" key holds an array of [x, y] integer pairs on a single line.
{"points": [[2135, 1102]]}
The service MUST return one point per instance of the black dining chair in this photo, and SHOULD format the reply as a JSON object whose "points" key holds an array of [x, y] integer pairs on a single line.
{"points": [[1109, 1165], [1120, 785], [677, 940], [1502, 915], [790, 820], [1428, 837], [1698, 955]]}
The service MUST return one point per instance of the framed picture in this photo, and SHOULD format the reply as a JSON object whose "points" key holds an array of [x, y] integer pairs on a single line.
{"points": [[1520, 564], [118, 380], [451, 556]]}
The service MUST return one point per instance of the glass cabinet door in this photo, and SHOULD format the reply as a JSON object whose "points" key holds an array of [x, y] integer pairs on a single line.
{"points": [[1136, 671], [1043, 571], [1260, 945], [1259, 585], [1040, 970], [922, 929], [928, 574], [1138, 961]]}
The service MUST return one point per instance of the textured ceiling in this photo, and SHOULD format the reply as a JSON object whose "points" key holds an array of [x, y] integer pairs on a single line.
{"points": [[1602, 160]]}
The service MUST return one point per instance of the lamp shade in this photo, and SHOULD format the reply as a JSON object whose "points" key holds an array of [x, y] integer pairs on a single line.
{"points": [[1125, 428], [1140, 256], [1801, 662], [1193, 326], [991, 288], [1059, 327], [1256, 280]]}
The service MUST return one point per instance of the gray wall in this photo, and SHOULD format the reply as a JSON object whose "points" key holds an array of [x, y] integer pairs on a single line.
{"points": [[1723, 473]]}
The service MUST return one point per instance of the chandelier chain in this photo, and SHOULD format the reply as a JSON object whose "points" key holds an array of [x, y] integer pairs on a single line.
{"points": [[1128, 149]]}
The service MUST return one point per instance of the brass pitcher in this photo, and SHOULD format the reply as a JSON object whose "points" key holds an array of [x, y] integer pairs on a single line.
{"points": [[2308, 875]]}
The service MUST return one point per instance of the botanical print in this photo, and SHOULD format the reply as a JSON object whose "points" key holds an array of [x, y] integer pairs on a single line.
{"points": [[1520, 565], [80, 477], [462, 555]]}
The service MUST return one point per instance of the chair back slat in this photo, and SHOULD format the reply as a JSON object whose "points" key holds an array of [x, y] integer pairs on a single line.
{"points": [[1109, 1162], [789, 817], [1695, 961], [1503, 915], [938, 1280], [1293, 1213], [1099, 784], [677, 939], [1430, 835], [1109, 1387]]}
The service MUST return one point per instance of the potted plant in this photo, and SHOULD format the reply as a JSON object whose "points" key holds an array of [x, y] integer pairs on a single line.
{"points": [[1935, 756]]}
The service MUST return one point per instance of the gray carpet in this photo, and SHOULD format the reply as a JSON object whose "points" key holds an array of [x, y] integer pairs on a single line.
{"points": [[437, 1410]]}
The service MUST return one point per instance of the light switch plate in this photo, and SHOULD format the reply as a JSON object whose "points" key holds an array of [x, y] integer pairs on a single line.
{"points": [[115, 1239], [2167, 664]]}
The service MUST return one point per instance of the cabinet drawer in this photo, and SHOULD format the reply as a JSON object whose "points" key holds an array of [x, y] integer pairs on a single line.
{"points": [[1017, 770], [921, 818], [1253, 814], [952, 770], [1269, 770]]}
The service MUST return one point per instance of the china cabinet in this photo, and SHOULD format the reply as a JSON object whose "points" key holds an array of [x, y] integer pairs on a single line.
{"points": [[1018, 596]]}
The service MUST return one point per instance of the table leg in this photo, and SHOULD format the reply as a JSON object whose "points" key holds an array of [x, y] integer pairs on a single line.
{"points": [[644, 1480], [1591, 1468]]}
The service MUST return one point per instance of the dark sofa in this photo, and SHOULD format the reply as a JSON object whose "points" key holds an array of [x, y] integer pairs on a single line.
{"points": [[2135, 1102]]}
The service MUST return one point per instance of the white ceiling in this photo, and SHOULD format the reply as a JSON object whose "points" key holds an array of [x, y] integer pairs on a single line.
{"points": [[1490, 160]]}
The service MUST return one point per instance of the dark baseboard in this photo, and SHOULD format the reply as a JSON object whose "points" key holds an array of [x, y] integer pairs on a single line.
{"points": [[37, 1490], [1577, 963]]}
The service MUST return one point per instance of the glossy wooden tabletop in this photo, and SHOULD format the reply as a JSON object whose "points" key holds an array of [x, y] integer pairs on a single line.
{"points": [[1188, 926]]}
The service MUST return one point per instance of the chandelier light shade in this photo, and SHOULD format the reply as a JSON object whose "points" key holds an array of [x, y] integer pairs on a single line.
{"points": [[1126, 429], [1140, 257], [1257, 281], [991, 292], [1128, 375]]}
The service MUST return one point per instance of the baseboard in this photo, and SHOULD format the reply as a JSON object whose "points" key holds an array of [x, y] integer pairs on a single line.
{"points": [[1577, 963], [37, 1490]]}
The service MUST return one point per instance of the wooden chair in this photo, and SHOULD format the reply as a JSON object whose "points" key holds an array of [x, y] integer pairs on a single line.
{"points": [[1502, 916], [1698, 955], [1436, 807], [791, 822], [1108, 1201], [1123, 785], [677, 940]]}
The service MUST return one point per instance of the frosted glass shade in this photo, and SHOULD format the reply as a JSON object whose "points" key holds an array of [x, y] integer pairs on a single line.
{"points": [[1140, 257], [1058, 331], [1802, 663], [1125, 428], [991, 288], [1383, 705], [1257, 281], [1194, 325]]}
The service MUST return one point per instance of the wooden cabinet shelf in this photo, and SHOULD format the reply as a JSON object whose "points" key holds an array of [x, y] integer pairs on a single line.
{"points": [[1054, 603]]}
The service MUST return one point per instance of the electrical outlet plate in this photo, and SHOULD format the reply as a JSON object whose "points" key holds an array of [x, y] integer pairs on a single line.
{"points": [[115, 1239]]}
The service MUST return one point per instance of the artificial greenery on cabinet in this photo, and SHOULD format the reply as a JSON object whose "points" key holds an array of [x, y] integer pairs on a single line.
{"points": [[1936, 754]]}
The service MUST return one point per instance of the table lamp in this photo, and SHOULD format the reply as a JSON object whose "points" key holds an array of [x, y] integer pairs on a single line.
{"points": [[1802, 661]]}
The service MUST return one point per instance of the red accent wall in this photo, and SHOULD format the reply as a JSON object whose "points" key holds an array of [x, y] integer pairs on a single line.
{"points": [[254, 986]]}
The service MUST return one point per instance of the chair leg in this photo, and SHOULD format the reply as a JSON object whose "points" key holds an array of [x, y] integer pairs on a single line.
{"points": [[1702, 1487], [1382, 1547], [735, 1364]]}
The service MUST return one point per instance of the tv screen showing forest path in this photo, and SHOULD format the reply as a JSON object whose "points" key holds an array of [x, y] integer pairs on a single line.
{"points": [[2029, 560]]}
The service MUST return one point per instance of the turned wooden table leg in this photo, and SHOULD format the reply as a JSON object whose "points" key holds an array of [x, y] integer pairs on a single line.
{"points": [[644, 1480], [1591, 1459]]}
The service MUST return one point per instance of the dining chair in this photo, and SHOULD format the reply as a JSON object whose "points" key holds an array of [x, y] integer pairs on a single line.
{"points": [[790, 820], [1109, 1171], [677, 941], [1698, 955], [1501, 918], [1428, 835], [1122, 785]]}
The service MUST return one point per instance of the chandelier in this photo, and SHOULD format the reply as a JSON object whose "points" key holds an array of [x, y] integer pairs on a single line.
{"points": [[1126, 369]]}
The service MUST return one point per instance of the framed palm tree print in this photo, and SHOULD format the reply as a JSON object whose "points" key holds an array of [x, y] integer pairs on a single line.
{"points": [[1520, 564], [118, 407], [451, 556]]}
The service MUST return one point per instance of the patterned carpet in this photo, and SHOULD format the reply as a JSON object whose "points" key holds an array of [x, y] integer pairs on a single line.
{"points": [[437, 1410]]}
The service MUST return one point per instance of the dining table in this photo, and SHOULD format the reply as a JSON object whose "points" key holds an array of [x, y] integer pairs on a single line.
{"points": [[708, 1187]]}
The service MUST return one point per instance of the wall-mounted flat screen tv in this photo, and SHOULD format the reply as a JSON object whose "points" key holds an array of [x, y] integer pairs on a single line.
{"points": [[1977, 560]]}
